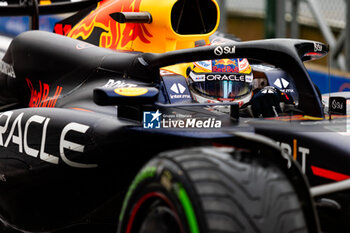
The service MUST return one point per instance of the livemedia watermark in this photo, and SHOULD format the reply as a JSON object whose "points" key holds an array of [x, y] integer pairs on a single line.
{"points": [[157, 120]]}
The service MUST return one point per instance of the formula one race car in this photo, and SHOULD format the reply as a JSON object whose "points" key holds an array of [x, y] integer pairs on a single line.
{"points": [[118, 139]]}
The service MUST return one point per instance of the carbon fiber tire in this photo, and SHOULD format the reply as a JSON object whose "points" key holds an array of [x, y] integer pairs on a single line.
{"points": [[211, 190]]}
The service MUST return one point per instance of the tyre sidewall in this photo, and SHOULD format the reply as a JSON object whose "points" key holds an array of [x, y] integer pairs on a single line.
{"points": [[162, 176]]}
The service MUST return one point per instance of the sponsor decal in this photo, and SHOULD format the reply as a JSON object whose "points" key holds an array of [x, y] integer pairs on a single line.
{"points": [[41, 98], [225, 65], [131, 91], [11, 132], [204, 65], [337, 105], [317, 47], [296, 151], [166, 72], [118, 84], [283, 85], [222, 77], [100, 29], [219, 50], [178, 90], [156, 120], [197, 77], [249, 78], [7, 69], [244, 66], [226, 62]]}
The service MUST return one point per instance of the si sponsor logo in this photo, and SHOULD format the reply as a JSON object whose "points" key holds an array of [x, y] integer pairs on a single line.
{"points": [[338, 105], [317, 47], [219, 50]]}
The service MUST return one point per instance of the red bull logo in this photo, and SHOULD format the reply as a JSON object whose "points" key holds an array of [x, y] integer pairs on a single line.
{"points": [[41, 98], [225, 65], [100, 29], [226, 62]]}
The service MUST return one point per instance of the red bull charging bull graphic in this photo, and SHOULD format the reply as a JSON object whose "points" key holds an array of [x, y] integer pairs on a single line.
{"points": [[100, 29]]}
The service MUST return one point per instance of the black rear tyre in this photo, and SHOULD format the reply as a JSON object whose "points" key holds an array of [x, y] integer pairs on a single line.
{"points": [[209, 190]]}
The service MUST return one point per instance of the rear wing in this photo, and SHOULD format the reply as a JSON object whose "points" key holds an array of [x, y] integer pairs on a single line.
{"points": [[33, 8]]}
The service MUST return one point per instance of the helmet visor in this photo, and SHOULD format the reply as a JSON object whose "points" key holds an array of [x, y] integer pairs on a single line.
{"points": [[233, 86]]}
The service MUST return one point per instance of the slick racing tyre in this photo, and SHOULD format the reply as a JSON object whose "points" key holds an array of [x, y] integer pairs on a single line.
{"points": [[210, 190]]}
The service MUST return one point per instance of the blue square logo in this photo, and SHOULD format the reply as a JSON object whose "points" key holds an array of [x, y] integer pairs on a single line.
{"points": [[151, 120]]}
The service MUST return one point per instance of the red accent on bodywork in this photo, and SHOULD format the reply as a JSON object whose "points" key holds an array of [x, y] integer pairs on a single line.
{"points": [[41, 98], [59, 29], [332, 175], [114, 35]]}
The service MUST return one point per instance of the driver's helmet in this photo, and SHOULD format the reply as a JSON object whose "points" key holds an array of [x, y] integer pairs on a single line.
{"points": [[222, 80]]}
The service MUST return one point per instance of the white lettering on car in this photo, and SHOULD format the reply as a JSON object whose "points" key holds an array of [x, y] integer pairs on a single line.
{"points": [[27, 149], [293, 151], [219, 77], [16, 139], [21, 139], [43, 155], [218, 51], [4, 127], [118, 84], [65, 144]]}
